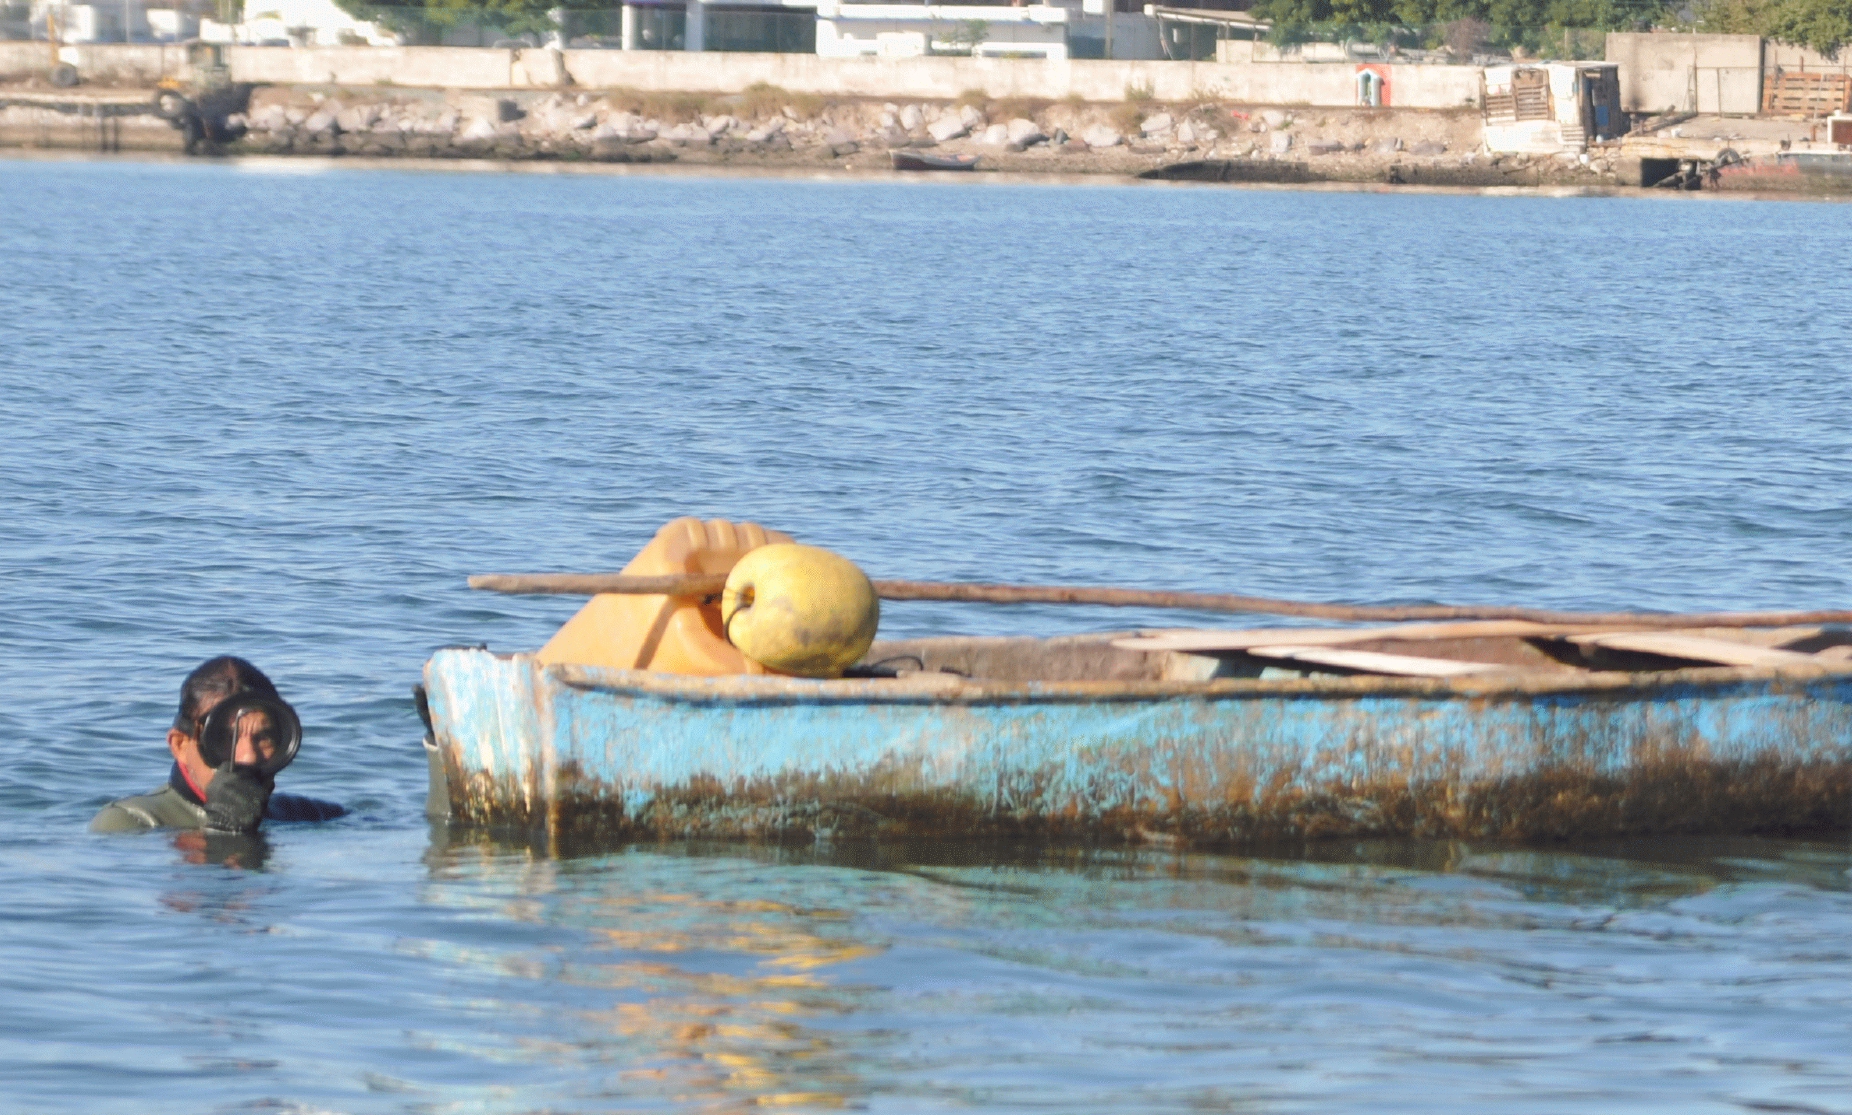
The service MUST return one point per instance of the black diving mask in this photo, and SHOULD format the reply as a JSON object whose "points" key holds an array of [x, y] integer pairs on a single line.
{"points": [[268, 724]]}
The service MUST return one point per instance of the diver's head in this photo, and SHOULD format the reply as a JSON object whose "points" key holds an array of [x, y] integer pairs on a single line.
{"points": [[232, 717]]}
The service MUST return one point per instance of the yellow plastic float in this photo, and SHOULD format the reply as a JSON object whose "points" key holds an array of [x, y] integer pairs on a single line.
{"points": [[800, 610], [789, 609]]}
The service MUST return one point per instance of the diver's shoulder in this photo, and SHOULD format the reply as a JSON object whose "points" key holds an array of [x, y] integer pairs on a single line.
{"points": [[295, 807], [162, 808]]}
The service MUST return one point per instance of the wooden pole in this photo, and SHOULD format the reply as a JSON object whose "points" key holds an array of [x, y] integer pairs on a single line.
{"points": [[704, 585]]}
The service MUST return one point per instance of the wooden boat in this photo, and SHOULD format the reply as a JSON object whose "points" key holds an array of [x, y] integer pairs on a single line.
{"points": [[1486, 729], [1823, 172], [907, 159]]}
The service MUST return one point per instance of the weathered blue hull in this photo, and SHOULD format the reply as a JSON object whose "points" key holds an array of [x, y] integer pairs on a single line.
{"points": [[632, 754]]}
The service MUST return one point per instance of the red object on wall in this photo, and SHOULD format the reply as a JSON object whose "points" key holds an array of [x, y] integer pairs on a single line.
{"points": [[1381, 70]]}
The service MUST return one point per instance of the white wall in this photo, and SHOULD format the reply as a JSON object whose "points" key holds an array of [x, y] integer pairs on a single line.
{"points": [[1783, 56], [1283, 83], [1662, 72], [435, 67], [129, 64], [943, 78], [914, 30]]}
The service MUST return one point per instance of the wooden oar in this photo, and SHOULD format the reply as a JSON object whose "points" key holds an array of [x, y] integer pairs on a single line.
{"points": [[588, 584]]}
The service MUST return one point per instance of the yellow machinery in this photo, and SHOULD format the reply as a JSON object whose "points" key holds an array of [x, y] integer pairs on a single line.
{"points": [[201, 96]]}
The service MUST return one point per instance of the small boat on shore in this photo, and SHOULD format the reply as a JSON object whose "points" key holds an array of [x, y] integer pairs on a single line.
{"points": [[907, 159], [1817, 172], [1189, 738]]}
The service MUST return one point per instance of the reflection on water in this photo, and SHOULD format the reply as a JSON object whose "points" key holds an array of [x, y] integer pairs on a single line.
{"points": [[243, 851], [727, 978], [294, 440]]}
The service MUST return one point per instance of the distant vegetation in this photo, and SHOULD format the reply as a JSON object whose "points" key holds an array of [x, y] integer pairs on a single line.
{"points": [[1824, 25], [423, 20], [1464, 27]]}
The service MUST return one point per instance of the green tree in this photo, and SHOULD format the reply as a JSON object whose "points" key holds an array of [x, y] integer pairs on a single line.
{"points": [[1604, 15], [419, 19], [1823, 25]]}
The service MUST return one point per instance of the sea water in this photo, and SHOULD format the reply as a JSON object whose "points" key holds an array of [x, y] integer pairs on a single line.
{"points": [[284, 416]]}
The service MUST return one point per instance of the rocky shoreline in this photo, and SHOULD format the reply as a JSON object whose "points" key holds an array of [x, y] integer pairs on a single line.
{"points": [[771, 129]]}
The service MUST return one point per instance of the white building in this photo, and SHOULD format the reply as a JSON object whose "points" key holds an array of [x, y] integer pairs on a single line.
{"points": [[1546, 107], [297, 23], [91, 23], [912, 30], [277, 22]]}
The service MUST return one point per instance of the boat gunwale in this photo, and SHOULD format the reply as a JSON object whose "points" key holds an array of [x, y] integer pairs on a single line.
{"points": [[1511, 685]]}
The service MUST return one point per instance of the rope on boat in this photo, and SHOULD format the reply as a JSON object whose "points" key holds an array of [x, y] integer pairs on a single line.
{"points": [[591, 584]]}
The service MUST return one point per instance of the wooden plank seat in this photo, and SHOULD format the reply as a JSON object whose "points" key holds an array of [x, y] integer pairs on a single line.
{"points": [[1374, 662], [1465, 647], [1694, 648], [1189, 641]]}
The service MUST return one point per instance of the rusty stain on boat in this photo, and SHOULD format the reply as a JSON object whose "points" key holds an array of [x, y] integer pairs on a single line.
{"points": [[613, 755]]}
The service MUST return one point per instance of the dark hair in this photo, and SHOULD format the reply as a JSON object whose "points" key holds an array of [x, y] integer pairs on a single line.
{"points": [[213, 681]]}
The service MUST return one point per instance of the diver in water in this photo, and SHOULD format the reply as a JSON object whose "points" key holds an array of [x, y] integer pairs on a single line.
{"points": [[232, 736]]}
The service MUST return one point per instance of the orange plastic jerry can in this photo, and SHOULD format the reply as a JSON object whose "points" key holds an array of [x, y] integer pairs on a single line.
{"points": [[674, 634]]}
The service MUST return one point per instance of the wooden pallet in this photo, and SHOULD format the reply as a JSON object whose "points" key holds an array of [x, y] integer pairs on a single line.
{"points": [[1806, 93]]}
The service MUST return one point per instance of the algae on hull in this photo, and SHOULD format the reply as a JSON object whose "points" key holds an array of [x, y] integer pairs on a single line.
{"points": [[631, 755]]}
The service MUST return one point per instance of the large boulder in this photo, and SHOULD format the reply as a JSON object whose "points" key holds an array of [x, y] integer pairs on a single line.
{"points": [[1025, 133], [1280, 143], [1099, 135], [477, 132], [270, 118], [632, 128], [621, 130], [1156, 125], [912, 119], [765, 133], [947, 128], [688, 135], [359, 118], [1190, 132], [996, 135]]}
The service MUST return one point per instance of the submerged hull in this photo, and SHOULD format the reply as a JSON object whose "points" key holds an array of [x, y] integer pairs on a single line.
{"points": [[914, 160], [591, 753]]}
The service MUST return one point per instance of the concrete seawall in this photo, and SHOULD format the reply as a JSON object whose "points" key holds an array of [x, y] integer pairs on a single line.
{"points": [[1317, 84], [763, 130], [61, 122]]}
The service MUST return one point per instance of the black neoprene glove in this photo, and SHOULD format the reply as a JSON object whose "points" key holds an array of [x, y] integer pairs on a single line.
{"points": [[235, 801]]}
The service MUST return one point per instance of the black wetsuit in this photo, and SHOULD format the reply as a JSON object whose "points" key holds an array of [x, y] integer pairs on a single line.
{"points": [[175, 805]]}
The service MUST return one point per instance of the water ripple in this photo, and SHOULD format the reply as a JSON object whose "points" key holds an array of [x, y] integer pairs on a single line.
{"points": [[286, 415]]}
